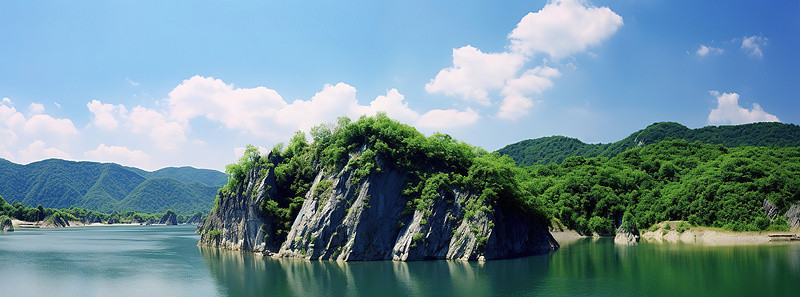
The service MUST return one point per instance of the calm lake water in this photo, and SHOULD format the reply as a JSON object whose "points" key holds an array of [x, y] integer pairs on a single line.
{"points": [[165, 261]]}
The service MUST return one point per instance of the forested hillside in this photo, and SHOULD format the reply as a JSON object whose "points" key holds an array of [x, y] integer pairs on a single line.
{"points": [[557, 148], [108, 187], [705, 184]]}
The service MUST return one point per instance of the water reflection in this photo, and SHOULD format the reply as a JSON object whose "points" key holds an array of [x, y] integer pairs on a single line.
{"points": [[246, 274], [583, 268]]}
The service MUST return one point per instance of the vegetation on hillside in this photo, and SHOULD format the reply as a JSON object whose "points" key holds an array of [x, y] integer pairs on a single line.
{"points": [[108, 187], [716, 185], [557, 148], [704, 184], [33, 214]]}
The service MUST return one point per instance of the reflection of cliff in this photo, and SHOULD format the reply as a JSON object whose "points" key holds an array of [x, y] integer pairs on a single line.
{"points": [[244, 274]]}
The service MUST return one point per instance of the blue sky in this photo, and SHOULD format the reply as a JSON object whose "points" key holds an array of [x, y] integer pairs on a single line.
{"points": [[172, 83]]}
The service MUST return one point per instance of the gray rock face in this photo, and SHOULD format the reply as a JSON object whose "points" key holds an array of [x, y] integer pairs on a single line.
{"points": [[770, 209], [54, 221], [793, 217], [196, 219], [369, 219], [91, 218], [169, 218], [236, 222], [627, 234], [6, 225]]}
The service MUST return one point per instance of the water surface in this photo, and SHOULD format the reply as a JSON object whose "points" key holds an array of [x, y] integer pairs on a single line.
{"points": [[165, 261]]}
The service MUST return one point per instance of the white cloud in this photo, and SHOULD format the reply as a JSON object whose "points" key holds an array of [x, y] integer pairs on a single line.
{"points": [[36, 108], [45, 124], [167, 134], [13, 122], [105, 115], [563, 28], [728, 111], [6, 100], [395, 106], [133, 83], [517, 101], [262, 111], [38, 150], [474, 73], [332, 102], [560, 29], [119, 154], [752, 45], [708, 50], [438, 119]]}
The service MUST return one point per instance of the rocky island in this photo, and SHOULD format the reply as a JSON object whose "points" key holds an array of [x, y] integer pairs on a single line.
{"points": [[376, 189]]}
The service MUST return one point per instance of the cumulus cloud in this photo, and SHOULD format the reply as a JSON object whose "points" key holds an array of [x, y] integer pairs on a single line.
{"points": [[119, 154], [752, 45], [517, 101], [563, 28], [560, 29], [729, 111], [105, 115], [708, 50], [395, 106], [262, 111], [38, 150], [166, 133], [13, 122], [474, 73], [438, 118], [36, 108]]}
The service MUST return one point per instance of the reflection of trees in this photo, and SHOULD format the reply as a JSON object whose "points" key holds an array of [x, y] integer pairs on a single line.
{"points": [[673, 269], [242, 274], [582, 268]]}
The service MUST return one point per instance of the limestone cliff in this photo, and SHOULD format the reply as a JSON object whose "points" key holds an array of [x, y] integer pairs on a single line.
{"points": [[344, 217], [169, 218], [6, 225]]}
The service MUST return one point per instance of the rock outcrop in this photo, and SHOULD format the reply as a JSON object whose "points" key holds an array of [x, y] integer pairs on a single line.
{"points": [[196, 219], [358, 219], [236, 223], [770, 209], [91, 218], [54, 221], [627, 234], [169, 218], [793, 218], [6, 225]]}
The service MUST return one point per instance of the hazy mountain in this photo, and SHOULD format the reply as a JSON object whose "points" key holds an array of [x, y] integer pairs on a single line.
{"points": [[107, 187]]}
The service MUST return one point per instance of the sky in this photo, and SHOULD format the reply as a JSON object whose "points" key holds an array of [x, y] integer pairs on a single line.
{"points": [[154, 84]]}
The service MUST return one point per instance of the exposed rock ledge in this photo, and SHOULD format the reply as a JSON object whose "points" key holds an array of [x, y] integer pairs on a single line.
{"points": [[364, 220]]}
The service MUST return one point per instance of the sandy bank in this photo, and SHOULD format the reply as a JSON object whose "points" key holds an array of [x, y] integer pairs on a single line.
{"points": [[711, 237]]}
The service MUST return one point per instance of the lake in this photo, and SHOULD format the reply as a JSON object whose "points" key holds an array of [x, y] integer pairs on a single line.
{"points": [[165, 261]]}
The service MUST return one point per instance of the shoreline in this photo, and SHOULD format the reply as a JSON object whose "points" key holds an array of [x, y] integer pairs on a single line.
{"points": [[19, 224], [700, 236], [712, 237]]}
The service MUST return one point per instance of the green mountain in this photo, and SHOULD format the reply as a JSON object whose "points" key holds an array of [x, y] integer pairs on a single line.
{"points": [[555, 149], [109, 187]]}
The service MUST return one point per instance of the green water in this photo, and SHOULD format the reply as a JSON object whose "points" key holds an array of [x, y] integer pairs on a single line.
{"points": [[165, 261]]}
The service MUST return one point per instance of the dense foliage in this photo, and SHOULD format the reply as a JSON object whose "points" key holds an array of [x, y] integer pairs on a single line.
{"points": [[108, 187], [33, 214], [705, 184], [433, 165], [557, 148]]}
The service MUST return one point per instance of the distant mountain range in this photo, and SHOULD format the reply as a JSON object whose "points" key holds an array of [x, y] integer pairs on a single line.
{"points": [[107, 187], [557, 148]]}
